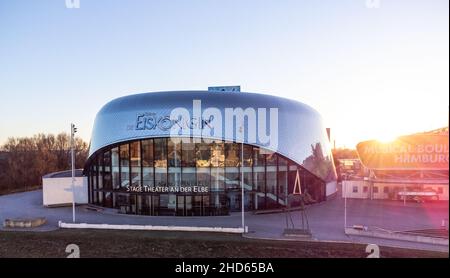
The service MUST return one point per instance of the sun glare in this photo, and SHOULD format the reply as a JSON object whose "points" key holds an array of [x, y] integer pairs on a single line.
{"points": [[386, 138]]}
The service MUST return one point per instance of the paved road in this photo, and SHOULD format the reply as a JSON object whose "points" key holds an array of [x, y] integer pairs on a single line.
{"points": [[326, 219]]}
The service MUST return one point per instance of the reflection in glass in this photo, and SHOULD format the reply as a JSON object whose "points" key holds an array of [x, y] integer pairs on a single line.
{"points": [[259, 159], [203, 154], [115, 167], [174, 176], [107, 170], [188, 177], [267, 177], [160, 153], [232, 155], [160, 176], [135, 161], [271, 158], [282, 179], [203, 177], [248, 159], [188, 153], [217, 154], [232, 179], [100, 172], [174, 152], [217, 179], [147, 152], [124, 166], [271, 181]]}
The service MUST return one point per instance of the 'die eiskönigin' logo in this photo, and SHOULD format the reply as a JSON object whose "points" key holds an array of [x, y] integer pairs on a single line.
{"points": [[150, 121], [250, 125]]}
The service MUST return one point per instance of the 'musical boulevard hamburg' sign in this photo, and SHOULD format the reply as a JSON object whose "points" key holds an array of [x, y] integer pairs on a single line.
{"points": [[413, 152]]}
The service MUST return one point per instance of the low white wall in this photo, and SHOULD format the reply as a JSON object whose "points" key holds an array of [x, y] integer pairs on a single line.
{"points": [[151, 228], [331, 188], [58, 191], [398, 236]]}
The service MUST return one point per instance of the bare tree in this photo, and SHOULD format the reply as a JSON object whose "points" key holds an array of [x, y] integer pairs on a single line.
{"points": [[25, 160]]}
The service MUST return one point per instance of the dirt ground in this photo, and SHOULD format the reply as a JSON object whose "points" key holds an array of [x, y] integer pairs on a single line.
{"points": [[144, 244]]}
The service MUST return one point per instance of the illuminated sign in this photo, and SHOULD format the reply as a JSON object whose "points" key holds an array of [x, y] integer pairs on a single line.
{"points": [[167, 189], [414, 152]]}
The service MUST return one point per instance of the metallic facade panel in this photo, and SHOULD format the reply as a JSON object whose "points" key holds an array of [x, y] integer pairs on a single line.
{"points": [[301, 135]]}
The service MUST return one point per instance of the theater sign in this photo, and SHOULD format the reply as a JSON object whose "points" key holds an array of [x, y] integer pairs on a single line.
{"points": [[413, 152]]}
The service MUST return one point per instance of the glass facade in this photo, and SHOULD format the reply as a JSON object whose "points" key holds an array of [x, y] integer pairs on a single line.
{"points": [[193, 177]]}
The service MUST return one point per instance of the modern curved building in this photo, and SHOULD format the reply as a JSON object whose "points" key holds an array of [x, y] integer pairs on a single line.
{"points": [[188, 153]]}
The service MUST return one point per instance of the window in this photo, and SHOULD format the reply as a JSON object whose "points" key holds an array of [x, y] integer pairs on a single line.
{"points": [[124, 166], [203, 154], [147, 176], [147, 162], [203, 177], [186, 163], [100, 171], [386, 189], [282, 178], [365, 189], [217, 154], [160, 154], [135, 161], [174, 152], [440, 190], [174, 178], [107, 170], [217, 178], [94, 182], [248, 159], [115, 167], [271, 176], [375, 189], [258, 157], [232, 156], [355, 189], [272, 183], [248, 180], [188, 177], [271, 158], [232, 179], [147, 153], [188, 153]]}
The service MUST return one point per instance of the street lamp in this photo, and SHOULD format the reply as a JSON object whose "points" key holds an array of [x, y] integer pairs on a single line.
{"points": [[73, 130], [241, 130], [344, 185]]}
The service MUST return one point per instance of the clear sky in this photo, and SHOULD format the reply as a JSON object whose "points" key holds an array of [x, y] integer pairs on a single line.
{"points": [[372, 73]]}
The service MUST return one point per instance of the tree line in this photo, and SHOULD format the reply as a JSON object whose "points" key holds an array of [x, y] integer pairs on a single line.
{"points": [[24, 160]]}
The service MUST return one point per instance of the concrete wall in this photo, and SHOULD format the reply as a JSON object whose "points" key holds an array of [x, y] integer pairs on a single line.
{"points": [[57, 191]]}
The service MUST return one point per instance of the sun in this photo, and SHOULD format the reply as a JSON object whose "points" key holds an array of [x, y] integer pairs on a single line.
{"points": [[386, 137]]}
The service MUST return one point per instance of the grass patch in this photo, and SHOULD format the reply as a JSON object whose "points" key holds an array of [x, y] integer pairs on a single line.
{"points": [[155, 244]]}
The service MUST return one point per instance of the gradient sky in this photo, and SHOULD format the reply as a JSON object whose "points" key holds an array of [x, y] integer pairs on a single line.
{"points": [[373, 73]]}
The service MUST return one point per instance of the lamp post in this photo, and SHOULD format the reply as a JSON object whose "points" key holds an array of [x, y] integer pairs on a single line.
{"points": [[241, 129], [73, 130], [345, 204]]}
